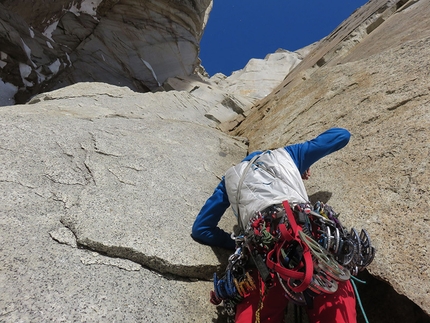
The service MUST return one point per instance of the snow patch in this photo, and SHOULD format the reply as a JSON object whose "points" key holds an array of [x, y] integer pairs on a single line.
{"points": [[50, 29], [68, 58], [27, 51], [54, 67], [87, 6], [40, 77], [31, 32], [3, 57], [151, 69], [49, 44], [25, 71], [73, 9], [7, 92]]}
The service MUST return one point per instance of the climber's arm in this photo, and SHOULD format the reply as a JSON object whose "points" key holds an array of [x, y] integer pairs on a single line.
{"points": [[307, 153], [205, 228]]}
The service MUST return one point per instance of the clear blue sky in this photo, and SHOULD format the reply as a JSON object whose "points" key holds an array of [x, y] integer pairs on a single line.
{"points": [[239, 30]]}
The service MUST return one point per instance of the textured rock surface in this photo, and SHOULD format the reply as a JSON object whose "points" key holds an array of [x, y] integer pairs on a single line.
{"points": [[224, 106], [146, 46], [138, 44], [232, 96], [121, 173], [372, 78], [104, 154], [260, 76], [89, 173]]}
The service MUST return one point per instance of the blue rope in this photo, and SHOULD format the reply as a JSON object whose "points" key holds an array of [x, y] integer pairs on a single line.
{"points": [[358, 280], [358, 296]]}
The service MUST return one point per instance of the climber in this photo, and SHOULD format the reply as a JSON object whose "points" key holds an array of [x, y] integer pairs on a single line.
{"points": [[326, 308]]}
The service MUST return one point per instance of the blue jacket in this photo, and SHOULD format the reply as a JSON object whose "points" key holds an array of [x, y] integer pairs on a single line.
{"points": [[205, 228]]}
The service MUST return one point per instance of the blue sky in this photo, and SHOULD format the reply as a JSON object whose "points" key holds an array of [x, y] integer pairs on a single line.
{"points": [[239, 30]]}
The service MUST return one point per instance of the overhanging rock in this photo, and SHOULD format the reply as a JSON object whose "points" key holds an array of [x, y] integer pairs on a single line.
{"points": [[131, 43]]}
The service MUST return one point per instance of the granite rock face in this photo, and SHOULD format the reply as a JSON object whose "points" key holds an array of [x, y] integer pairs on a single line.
{"points": [[232, 96], [371, 76], [100, 184], [146, 46], [260, 76], [100, 187], [138, 44]]}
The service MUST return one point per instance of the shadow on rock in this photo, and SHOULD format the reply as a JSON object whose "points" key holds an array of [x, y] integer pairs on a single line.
{"points": [[322, 196]]}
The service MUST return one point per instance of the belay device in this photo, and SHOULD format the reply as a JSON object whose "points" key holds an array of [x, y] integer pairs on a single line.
{"points": [[305, 246]]}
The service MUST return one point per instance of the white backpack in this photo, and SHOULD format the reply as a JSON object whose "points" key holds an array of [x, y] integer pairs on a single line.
{"points": [[269, 178]]}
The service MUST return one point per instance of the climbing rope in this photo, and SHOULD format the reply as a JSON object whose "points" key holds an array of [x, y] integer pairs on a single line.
{"points": [[358, 296]]}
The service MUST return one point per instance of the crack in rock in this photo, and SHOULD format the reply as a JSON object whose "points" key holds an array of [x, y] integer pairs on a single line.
{"points": [[94, 258], [64, 235], [155, 263]]}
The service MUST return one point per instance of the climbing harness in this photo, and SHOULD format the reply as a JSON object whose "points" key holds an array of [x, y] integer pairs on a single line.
{"points": [[306, 247]]}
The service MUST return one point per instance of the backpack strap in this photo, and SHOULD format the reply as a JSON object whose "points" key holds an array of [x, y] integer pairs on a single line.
{"points": [[242, 178]]}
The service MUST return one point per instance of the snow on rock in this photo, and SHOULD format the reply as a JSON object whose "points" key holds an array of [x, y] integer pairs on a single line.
{"points": [[115, 42], [7, 92]]}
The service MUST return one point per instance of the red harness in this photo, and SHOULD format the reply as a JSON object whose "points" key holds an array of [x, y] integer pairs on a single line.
{"points": [[304, 270]]}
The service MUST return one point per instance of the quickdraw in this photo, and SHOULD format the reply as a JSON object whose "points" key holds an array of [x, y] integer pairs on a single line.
{"points": [[305, 247]]}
